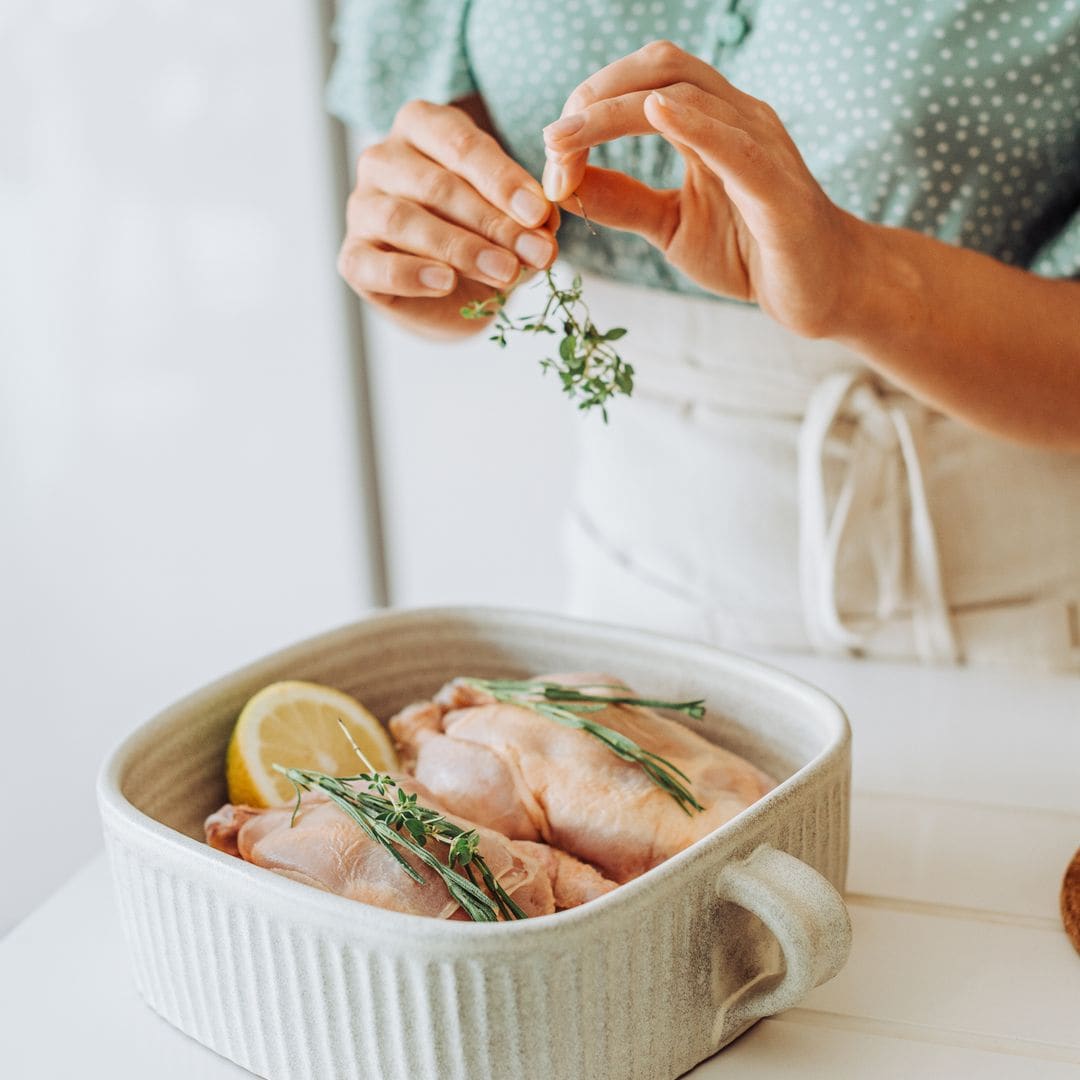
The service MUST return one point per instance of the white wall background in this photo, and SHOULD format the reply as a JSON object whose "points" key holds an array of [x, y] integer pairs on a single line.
{"points": [[179, 479], [183, 486], [475, 453]]}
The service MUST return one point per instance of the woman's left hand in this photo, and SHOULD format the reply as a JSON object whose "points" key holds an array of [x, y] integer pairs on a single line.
{"points": [[749, 221]]}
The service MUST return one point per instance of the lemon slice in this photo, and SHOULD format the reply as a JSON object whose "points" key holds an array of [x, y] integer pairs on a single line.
{"points": [[295, 724]]}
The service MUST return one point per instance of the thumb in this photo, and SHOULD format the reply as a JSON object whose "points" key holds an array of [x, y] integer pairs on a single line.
{"points": [[614, 199]]}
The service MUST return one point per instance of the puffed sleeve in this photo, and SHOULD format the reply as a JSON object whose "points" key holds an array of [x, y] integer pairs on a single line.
{"points": [[391, 51]]}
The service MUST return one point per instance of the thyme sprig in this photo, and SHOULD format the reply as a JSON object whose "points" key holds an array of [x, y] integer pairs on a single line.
{"points": [[590, 369], [571, 706], [393, 818]]}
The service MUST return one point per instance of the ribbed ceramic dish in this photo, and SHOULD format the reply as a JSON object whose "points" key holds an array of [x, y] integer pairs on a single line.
{"points": [[293, 983]]}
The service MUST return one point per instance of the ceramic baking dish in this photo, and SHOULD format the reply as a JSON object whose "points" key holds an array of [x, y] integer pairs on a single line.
{"points": [[294, 983]]}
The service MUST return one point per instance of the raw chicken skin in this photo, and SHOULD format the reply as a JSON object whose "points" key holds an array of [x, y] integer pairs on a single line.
{"points": [[509, 768], [330, 851]]}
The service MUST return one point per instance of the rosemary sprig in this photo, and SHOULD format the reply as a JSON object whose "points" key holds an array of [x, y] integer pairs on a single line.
{"points": [[569, 706], [590, 370], [399, 823]]}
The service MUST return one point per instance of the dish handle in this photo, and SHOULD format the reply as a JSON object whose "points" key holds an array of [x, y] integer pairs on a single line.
{"points": [[805, 914]]}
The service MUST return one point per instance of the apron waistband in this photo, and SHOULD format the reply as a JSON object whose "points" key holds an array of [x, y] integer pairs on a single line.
{"points": [[869, 558]]}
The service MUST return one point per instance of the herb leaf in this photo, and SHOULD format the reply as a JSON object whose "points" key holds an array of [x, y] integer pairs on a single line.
{"points": [[590, 370], [399, 824], [570, 706]]}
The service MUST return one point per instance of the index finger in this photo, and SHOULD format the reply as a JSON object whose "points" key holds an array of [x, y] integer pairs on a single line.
{"points": [[450, 138], [616, 117], [652, 67]]}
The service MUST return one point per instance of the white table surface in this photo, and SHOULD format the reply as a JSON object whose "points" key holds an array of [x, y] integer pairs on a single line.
{"points": [[965, 813]]}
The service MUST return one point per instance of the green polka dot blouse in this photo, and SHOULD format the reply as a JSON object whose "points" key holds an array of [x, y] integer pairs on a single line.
{"points": [[958, 118]]}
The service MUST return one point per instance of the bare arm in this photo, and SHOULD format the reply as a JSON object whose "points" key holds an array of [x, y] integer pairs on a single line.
{"points": [[994, 346]]}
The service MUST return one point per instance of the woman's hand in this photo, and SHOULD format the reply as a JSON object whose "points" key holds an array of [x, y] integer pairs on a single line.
{"points": [[749, 222], [441, 215], [987, 343]]}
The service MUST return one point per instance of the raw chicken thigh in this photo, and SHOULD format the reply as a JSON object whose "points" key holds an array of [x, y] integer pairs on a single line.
{"points": [[507, 767], [329, 850]]}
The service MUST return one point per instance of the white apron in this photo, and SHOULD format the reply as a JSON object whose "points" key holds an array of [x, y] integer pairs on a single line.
{"points": [[765, 491]]}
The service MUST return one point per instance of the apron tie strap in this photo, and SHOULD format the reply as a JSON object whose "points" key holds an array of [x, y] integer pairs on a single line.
{"points": [[883, 488]]}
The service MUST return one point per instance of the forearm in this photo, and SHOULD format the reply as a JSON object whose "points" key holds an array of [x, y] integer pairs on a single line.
{"points": [[991, 345]]}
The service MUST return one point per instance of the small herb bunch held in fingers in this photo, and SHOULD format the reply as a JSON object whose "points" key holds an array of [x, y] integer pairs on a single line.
{"points": [[590, 369], [571, 706], [394, 819]]}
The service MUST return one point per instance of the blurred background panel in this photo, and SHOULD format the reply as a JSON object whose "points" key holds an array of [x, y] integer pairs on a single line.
{"points": [[182, 478], [475, 455], [191, 450]]}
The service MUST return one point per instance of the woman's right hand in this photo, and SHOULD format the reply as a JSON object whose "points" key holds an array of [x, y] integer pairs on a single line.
{"points": [[440, 216]]}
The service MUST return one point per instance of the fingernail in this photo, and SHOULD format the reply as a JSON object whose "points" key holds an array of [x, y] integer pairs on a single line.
{"points": [[439, 278], [560, 157], [499, 265], [535, 249], [555, 182], [567, 125], [528, 207], [672, 107]]}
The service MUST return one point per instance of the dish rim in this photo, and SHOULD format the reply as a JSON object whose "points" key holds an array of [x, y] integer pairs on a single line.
{"points": [[304, 901]]}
